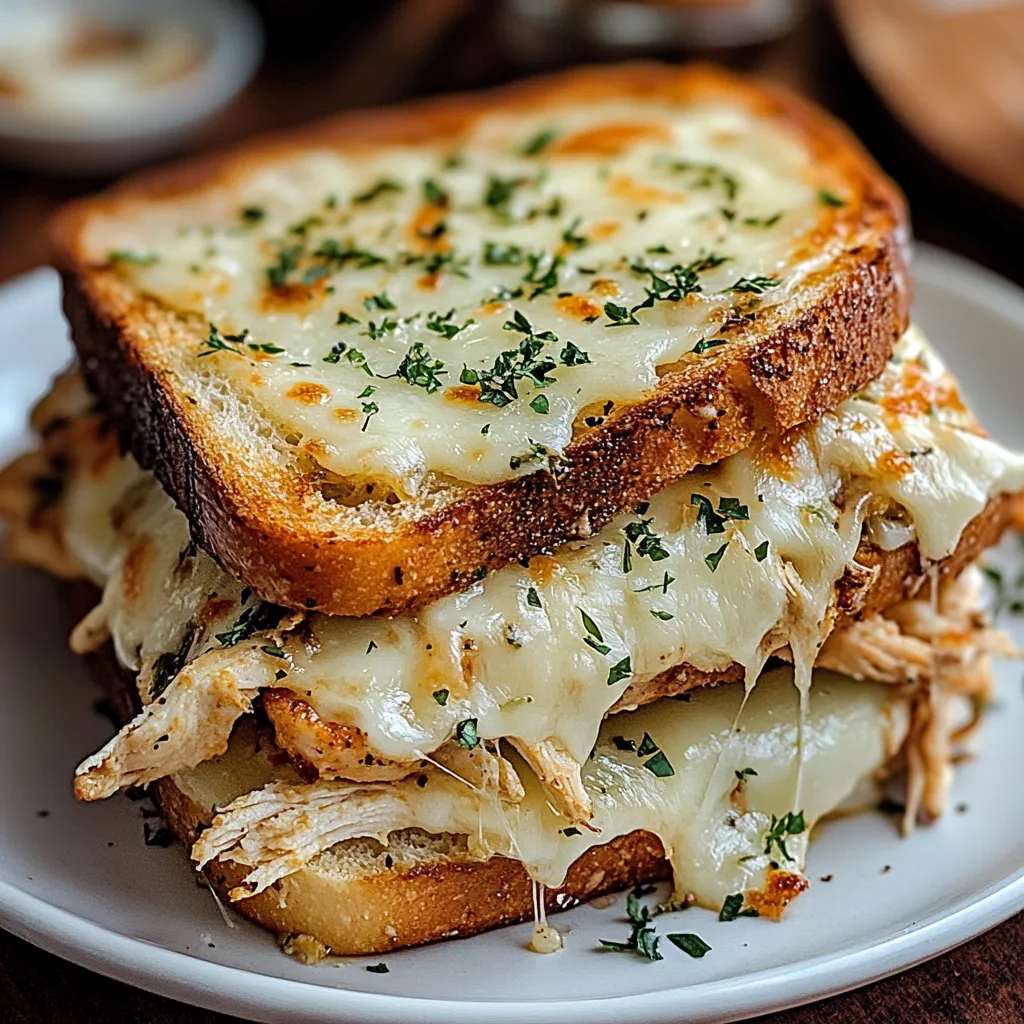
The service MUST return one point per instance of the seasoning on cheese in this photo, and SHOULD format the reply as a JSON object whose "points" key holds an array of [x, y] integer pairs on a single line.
{"points": [[543, 278]]}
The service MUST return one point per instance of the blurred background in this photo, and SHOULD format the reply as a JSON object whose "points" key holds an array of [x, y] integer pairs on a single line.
{"points": [[91, 89]]}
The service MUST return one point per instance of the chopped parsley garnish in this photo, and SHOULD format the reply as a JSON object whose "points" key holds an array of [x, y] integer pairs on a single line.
{"points": [[217, 342], [139, 259], [620, 316], [252, 620], [435, 194], [706, 344], [714, 522], [660, 765], [715, 557], [383, 187], [594, 638], [621, 743], [441, 696], [570, 236], [642, 940], [663, 586], [466, 734], [763, 222], [707, 176], [541, 405], [273, 650], [497, 255], [790, 824], [442, 323], [252, 214], [167, 666], [619, 671], [288, 257], [664, 616], [499, 192], [733, 908], [692, 945], [761, 551], [639, 535], [754, 285], [827, 198], [381, 301], [371, 646], [571, 831], [533, 598], [537, 453], [539, 142], [345, 318], [571, 355], [419, 369], [647, 746], [498, 384], [375, 333], [743, 773], [378, 968], [352, 355], [542, 271], [369, 409]]}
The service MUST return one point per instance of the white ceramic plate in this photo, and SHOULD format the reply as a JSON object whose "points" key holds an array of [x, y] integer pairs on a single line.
{"points": [[80, 882]]}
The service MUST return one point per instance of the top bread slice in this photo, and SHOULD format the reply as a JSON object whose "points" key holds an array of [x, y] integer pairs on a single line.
{"points": [[808, 319]]}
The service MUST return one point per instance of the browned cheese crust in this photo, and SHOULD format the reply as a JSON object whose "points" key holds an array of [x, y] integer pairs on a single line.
{"points": [[272, 527]]}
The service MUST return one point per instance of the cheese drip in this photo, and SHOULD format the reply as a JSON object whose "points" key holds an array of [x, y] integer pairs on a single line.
{"points": [[348, 263], [717, 844], [512, 652]]}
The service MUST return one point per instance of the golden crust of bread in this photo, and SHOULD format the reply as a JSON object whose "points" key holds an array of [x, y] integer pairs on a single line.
{"points": [[272, 527]]}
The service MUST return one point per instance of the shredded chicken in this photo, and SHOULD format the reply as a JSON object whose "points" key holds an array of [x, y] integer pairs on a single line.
{"points": [[188, 724], [876, 649], [279, 829], [560, 773]]}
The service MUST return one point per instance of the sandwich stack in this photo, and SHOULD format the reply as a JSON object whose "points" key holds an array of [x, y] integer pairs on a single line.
{"points": [[494, 502]]}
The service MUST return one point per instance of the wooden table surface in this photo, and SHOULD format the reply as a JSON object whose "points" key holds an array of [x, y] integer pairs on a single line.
{"points": [[421, 46]]}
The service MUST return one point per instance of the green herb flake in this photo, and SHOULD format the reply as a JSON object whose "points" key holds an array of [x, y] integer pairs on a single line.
{"points": [[706, 344], [539, 142], [541, 405], [781, 829], [664, 616], [466, 734], [441, 696], [272, 650], [138, 259], [594, 638], [383, 187], [378, 968], [619, 671], [827, 198], [660, 765], [732, 908], [419, 369], [712, 560], [755, 285], [647, 746], [761, 551], [251, 215], [345, 318], [692, 945], [571, 831], [533, 598]]}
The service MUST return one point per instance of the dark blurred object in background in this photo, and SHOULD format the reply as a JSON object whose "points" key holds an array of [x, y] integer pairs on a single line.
{"points": [[542, 33]]}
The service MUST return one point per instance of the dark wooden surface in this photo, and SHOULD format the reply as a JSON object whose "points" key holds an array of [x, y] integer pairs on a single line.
{"points": [[420, 46]]}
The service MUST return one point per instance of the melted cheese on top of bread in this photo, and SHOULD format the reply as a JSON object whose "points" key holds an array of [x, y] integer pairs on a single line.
{"points": [[708, 777], [405, 314], [728, 565]]}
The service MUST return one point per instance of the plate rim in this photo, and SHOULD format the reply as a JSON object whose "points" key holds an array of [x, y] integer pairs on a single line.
{"points": [[261, 997]]}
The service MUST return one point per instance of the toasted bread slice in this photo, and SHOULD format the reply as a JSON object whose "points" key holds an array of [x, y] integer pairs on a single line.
{"points": [[320, 498]]}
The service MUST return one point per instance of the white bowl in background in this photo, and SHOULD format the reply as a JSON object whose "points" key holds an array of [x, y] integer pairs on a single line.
{"points": [[137, 127]]}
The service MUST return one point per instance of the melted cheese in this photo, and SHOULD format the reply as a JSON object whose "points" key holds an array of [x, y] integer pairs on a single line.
{"points": [[515, 652], [713, 826], [512, 651], [549, 237]]}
